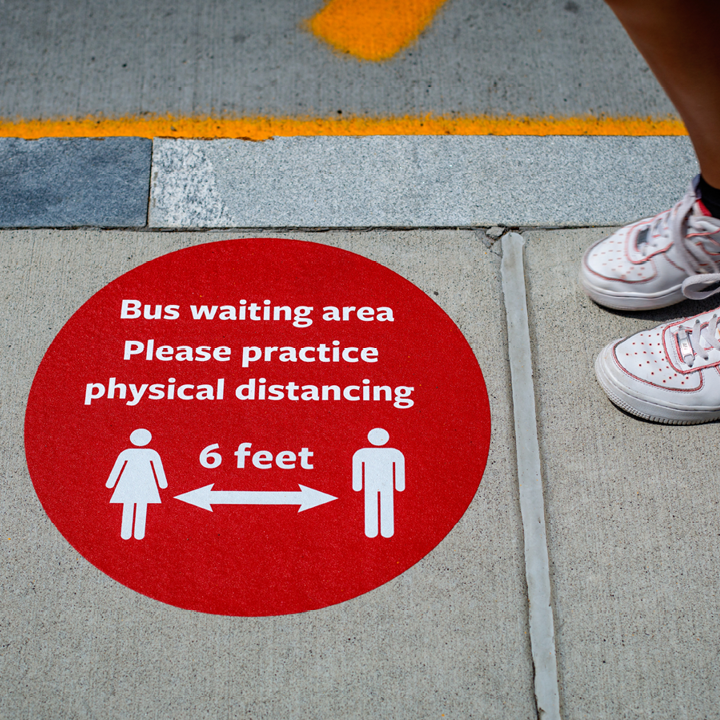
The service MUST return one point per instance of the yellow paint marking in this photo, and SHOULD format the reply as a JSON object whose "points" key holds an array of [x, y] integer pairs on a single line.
{"points": [[373, 29], [264, 128]]}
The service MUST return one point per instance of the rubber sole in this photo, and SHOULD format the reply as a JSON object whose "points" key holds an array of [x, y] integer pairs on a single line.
{"points": [[646, 409], [628, 301]]}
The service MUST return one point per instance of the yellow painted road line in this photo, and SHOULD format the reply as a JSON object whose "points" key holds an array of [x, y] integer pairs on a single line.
{"points": [[373, 29], [264, 128]]}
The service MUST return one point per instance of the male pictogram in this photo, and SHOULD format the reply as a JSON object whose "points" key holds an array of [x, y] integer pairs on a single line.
{"points": [[380, 471], [137, 471]]}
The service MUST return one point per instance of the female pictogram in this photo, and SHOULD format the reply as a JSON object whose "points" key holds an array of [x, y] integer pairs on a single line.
{"points": [[138, 471]]}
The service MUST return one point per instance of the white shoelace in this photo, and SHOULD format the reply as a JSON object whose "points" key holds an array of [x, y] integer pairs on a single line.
{"points": [[689, 341], [677, 223]]}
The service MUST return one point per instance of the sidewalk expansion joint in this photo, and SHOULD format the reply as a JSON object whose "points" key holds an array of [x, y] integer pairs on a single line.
{"points": [[532, 506]]}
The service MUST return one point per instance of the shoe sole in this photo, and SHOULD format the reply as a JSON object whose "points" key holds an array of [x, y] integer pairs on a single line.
{"points": [[626, 301], [646, 409]]}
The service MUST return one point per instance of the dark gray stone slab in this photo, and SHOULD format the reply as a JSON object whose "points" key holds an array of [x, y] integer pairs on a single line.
{"points": [[73, 182]]}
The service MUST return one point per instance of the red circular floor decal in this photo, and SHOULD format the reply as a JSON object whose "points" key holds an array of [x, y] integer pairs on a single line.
{"points": [[257, 427]]}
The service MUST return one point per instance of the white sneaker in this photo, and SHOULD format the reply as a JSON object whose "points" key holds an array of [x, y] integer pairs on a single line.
{"points": [[670, 374], [657, 261]]}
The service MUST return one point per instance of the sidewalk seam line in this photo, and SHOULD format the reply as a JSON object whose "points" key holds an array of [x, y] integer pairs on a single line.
{"points": [[532, 505]]}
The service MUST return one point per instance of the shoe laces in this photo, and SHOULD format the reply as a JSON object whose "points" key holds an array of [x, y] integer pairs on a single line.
{"points": [[668, 226], [690, 340], [687, 231]]}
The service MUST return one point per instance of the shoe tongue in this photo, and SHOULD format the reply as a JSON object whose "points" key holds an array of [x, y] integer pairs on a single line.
{"points": [[642, 237], [700, 209]]}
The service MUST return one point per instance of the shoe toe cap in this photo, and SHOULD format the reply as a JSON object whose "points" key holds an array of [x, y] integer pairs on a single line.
{"points": [[607, 264], [641, 362]]}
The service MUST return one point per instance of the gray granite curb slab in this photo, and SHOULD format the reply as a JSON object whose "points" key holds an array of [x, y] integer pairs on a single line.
{"points": [[74, 182], [416, 181]]}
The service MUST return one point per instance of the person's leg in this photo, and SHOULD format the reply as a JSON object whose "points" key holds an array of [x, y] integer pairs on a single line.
{"points": [[660, 261], [669, 373], [140, 515], [387, 512], [127, 521], [678, 40], [372, 498]]}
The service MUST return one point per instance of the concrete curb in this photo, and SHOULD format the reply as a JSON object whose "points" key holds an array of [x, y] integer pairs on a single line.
{"points": [[341, 182]]}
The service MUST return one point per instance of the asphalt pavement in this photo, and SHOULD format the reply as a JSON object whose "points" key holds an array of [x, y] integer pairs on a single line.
{"points": [[524, 58]]}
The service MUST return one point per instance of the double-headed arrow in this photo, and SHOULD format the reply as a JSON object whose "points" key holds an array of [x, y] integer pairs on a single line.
{"points": [[206, 497]]}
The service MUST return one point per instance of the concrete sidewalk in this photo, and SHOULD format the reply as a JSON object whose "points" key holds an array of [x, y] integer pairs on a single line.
{"points": [[630, 508], [631, 511], [448, 637]]}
